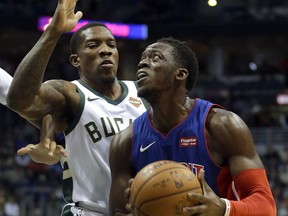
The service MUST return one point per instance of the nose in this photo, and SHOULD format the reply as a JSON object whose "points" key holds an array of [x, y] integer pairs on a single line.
{"points": [[105, 50], [143, 63]]}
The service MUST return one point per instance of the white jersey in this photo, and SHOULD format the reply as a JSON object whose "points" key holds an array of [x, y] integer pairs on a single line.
{"points": [[5, 82], [87, 143]]}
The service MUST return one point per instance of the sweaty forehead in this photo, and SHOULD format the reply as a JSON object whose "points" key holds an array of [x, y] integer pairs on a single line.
{"points": [[99, 32]]}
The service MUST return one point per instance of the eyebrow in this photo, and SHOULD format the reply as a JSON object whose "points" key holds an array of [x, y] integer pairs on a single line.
{"points": [[150, 50]]}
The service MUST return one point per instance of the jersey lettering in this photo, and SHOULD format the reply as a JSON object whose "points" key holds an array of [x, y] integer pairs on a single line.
{"points": [[117, 122], [112, 131], [107, 125], [193, 167], [93, 132]]}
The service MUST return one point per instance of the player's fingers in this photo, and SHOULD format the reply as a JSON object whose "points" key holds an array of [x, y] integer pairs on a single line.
{"points": [[128, 190], [205, 187], [61, 151], [194, 210], [131, 181], [52, 148], [78, 15], [129, 206], [46, 143], [201, 175], [127, 193], [196, 197], [25, 150]]}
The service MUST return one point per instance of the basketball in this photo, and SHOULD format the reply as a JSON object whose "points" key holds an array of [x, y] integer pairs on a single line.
{"points": [[161, 188]]}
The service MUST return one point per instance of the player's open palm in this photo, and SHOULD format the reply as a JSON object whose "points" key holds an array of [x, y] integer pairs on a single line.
{"points": [[47, 152], [209, 203], [64, 18]]}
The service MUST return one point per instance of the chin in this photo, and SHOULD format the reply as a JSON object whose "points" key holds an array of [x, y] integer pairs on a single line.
{"points": [[147, 94], [108, 79]]}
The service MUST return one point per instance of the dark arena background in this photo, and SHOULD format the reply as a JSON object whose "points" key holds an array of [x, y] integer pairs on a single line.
{"points": [[242, 47]]}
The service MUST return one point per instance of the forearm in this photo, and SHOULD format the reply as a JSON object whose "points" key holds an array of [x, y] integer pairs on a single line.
{"points": [[47, 128], [256, 198], [29, 74]]}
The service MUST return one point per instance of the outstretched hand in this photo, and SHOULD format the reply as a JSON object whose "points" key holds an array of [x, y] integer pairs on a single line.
{"points": [[64, 18], [209, 203], [47, 152]]}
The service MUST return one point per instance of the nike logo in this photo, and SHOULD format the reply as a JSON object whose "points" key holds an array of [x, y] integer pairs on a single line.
{"points": [[148, 146], [92, 99]]}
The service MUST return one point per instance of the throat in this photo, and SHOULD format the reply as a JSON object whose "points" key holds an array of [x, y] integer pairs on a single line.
{"points": [[166, 119]]}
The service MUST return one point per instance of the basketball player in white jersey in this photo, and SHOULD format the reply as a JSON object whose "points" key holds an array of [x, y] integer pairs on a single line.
{"points": [[90, 111], [5, 81], [47, 145]]}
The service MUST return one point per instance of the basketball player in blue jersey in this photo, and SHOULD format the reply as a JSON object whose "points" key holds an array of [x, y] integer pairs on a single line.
{"points": [[213, 142], [90, 110]]}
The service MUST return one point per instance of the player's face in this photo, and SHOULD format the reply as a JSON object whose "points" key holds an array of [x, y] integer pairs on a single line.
{"points": [[156, 70], [98, 55]]}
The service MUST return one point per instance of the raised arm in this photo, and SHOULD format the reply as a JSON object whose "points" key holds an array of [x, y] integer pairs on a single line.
{"points": [[121, 172], [27, 95]]}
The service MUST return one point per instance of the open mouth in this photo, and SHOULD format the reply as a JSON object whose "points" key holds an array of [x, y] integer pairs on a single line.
{"points": [[141, 75]]}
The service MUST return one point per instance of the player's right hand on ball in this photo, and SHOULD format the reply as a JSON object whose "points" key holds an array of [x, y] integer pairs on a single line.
{"points": [[47, 152], [209, 203]]}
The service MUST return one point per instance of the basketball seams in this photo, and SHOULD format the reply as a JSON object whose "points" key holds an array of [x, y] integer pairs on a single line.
{"points": [[159, 183], [157, 198], [168, 195], [154, 175]]}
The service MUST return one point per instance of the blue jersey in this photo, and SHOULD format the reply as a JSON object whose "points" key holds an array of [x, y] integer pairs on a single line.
{"points": [[185, 143]]}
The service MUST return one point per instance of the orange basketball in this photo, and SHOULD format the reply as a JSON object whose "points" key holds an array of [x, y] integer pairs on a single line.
{"points": [[161, 188]]}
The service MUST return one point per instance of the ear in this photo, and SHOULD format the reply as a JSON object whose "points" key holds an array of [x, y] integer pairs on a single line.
{"points": [[74, 60], [182, 74]]}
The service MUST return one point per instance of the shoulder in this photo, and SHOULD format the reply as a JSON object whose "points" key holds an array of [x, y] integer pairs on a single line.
{"points": [[60, 85], [228, 132], [62, 95], [59, 89], [223, 119]]}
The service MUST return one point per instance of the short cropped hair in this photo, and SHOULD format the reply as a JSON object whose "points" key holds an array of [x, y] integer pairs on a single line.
{"points": [[76, 37], [186, 59]]}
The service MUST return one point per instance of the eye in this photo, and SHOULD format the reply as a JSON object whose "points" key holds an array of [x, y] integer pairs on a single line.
{"points": [[155, 57], [112, 44], [92, 45]]}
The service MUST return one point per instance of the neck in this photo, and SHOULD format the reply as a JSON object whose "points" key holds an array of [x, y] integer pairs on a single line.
{"points": [[112, 90], [165, 116]]}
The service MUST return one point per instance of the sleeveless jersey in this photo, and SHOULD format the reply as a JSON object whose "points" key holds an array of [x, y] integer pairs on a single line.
{"points": [[87, 143], [185, 143], [5, 82]]}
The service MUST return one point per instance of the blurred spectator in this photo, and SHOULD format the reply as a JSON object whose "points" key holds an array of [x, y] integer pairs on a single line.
{"points": [[11, 207]]}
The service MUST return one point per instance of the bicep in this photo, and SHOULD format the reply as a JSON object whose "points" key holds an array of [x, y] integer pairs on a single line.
{"points": [[235, 142], [49, 100]]}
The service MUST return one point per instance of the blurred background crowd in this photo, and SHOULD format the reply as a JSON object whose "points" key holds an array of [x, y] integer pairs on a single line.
{"points": [[243, 58]]}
